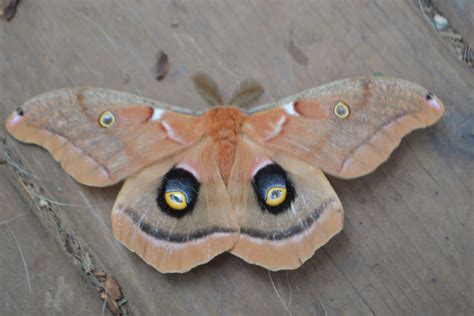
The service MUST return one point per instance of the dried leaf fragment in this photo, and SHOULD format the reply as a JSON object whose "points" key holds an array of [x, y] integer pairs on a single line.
{"points": [[100, 274], [10, 10], [111, 292], [103, 295], [112, 288], [114, 307], [162, 66]]}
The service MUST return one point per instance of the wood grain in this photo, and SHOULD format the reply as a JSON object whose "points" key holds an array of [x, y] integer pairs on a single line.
{"points": [[406, 247]]}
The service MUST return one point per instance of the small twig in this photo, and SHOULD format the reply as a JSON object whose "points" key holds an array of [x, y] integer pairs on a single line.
{"points": [[13, 218], [105, 302], [276, 291], [65, 204], [22, 257], [15, 165], [451, 35], [290, 296], [324, 308]]}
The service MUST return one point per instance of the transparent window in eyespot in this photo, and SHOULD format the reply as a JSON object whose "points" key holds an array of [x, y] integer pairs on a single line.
{"points": [[176, 198]]}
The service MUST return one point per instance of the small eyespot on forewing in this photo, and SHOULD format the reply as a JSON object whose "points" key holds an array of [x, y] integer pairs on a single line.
{"points": [[341, 110], [106, 119]]}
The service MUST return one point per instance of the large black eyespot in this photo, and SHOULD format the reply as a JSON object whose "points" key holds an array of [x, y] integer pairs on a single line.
{"points": [[274, 190], [429, 96], [178, 192]]}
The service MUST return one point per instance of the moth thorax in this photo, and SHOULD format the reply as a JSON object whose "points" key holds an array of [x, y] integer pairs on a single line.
{"points": [[224, 127]]}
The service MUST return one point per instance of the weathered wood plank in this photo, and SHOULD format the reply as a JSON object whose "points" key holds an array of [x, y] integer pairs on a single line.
{"points": [[35, 276], [406, 246]]}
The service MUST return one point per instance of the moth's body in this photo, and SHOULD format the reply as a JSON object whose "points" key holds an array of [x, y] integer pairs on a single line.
{"points": [[251, 183], [224, 127]]}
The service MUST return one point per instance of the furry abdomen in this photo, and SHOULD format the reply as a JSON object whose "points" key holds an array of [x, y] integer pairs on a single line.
{"points": [[224, 127]]}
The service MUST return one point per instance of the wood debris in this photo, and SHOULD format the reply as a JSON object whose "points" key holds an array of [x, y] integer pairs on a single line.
{"points": [[162, 66], [113, 288], [9, 11], [447, 33], [110, 291]]}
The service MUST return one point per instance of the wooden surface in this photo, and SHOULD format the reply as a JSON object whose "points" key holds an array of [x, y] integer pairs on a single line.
{"points": [[406, 247]]}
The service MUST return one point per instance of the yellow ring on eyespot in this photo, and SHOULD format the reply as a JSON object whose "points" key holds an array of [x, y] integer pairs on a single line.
{"points": [[176, 200], [342, 110], [106, 119], [275, 196]]}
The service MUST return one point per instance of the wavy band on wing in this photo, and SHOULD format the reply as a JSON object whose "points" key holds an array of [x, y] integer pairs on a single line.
{"points": [[156, 233], [279, 252], [173, 255]]}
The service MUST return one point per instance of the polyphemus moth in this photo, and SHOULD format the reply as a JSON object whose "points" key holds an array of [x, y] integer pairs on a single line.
{"points": [[248, 182]]}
